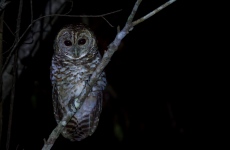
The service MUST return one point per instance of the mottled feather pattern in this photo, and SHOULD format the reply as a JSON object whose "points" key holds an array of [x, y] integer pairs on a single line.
{"points": [[72, 66]]}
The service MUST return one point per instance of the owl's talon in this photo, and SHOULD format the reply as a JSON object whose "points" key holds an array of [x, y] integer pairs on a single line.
{"points": [[63, 123], [76, 103]]}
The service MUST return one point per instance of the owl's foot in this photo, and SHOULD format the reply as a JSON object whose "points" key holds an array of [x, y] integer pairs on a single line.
{"points": [[76, 103]]}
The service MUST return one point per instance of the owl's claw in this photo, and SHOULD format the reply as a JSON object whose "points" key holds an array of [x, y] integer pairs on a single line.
{"points": [[76, 103], [63, 123]]}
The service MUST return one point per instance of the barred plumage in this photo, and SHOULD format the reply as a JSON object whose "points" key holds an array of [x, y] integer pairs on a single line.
{"points": [[75, 58]]}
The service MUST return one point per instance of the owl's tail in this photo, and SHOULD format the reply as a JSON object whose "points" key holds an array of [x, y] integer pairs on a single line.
{"points": [[77, 130]]}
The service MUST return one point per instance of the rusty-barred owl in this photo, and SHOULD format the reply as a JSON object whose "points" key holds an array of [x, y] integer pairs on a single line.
{"points": [[75, 58]]}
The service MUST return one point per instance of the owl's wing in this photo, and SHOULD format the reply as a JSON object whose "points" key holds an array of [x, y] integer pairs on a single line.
{"points": [[96, 113], [87, 124], [56, 106]]}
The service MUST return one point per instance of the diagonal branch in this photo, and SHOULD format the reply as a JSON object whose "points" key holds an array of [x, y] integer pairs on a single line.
{"points": [[105, 60], [153, 12]]}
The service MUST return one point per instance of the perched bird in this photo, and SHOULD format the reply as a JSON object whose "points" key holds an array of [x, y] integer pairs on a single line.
{"points": [[75, 58]]}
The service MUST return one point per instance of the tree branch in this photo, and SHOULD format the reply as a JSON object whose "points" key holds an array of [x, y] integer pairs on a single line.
{"points": [[1, 51], [15, 68], [153, 12], [56, 132], [3, 4], [31, 11], [105, 60]]}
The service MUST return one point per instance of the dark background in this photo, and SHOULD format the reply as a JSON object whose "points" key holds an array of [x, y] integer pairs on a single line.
{"points": [[160, 76]]}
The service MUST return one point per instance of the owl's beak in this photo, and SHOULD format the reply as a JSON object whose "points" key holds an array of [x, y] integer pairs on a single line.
{"points": [[76, 51]]}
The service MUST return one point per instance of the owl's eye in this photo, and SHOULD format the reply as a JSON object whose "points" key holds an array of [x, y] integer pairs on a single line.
{"points": [[81, 41], [67, 43]]}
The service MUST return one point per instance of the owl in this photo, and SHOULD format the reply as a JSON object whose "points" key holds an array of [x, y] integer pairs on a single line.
{"points": [[75, 58]]}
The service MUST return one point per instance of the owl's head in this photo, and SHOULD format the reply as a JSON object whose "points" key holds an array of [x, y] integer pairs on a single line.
{"points": [[75, 41]]}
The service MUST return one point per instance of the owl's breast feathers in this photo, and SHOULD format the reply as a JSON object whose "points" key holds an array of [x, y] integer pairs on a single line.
{"points": [[69, 79]]}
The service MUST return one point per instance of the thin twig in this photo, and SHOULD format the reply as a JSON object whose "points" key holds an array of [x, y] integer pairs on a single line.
{"points": [[108, 22], [59, 12], [153, 12], [31, 11], [1, 123], [8, 28], [6, 51], [14, 78], [17, 147], [89, 16], [71, 7], [170, 110], [1, 101]]}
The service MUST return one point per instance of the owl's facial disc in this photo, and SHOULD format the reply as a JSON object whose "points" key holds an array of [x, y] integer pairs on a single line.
{"points": [[75, 44]]}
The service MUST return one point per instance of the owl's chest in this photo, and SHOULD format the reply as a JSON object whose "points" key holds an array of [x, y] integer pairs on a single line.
{"points": [[70, 80]]}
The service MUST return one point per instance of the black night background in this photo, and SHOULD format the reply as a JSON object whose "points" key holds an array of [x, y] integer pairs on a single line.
{"points": [[157, 80]]}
